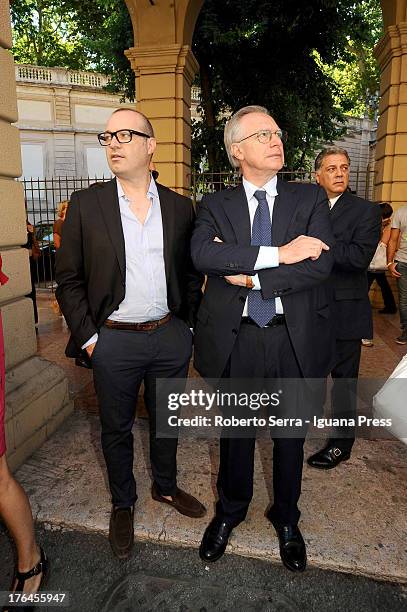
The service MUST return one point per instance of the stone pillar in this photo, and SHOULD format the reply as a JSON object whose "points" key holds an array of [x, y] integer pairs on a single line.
{"points": [[163, 84], [36, 391], [391, 149], [165, 66]]}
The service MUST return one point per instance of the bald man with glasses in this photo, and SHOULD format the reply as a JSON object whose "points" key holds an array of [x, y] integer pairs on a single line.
{"points": [[129, 292]]}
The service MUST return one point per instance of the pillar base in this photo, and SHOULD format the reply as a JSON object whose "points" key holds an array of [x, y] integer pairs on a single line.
{"points": [[37, 402]]}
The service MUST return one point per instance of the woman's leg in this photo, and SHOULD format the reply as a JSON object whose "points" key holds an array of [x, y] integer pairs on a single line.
{"points": [[15, 511]]}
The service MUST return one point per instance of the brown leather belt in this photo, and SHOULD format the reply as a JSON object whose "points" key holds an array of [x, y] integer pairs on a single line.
{"points": [[145, 326], [278, 319]]}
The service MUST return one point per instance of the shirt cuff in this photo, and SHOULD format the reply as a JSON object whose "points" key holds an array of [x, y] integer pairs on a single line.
{"points": [[267, 258], [256, 282], [90, 341]]}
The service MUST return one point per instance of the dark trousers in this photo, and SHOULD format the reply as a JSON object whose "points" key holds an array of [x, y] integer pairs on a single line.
{"points": [[381, 279], [121, 361], [261, 354], [344, 390]]}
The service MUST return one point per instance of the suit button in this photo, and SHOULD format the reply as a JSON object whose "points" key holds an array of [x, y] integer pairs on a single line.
{"points": [[242, 298], [234, 331]]}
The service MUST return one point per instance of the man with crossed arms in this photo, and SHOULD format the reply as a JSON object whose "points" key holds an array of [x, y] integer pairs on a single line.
{"points": [[265, 247]]}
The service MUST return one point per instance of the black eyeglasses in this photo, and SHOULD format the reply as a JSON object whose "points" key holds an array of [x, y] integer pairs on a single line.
{"points": [[122, 136], [264, 136]]}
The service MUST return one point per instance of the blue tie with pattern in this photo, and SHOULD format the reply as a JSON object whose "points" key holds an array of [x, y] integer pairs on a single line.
{"points": [[259, 310]]}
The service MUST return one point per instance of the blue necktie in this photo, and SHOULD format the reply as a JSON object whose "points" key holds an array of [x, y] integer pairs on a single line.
{"points": [[261, 311]]}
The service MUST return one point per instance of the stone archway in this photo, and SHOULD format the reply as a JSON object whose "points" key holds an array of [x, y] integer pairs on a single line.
{"points": [[391, 149], [165, 66]]}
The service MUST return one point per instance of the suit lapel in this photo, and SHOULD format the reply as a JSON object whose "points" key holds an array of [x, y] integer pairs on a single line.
{"points": [[339, 206], [167, 205], [284, 207], [109, 204], [237, 211]]}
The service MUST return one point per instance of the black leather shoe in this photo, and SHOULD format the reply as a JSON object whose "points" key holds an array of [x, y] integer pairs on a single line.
{"points": [[121, 531], [328, 458], [292, 547], [215, 539]]}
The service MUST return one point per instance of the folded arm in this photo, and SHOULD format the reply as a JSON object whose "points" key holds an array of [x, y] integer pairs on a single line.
{"points": [[217, 258], [299, 271]]}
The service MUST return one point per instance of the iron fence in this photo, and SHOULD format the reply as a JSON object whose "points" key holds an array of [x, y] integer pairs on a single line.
{"points": [[42, 197], [361, 182]]}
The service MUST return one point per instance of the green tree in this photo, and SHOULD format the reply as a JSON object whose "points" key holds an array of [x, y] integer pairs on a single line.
{"points": [[76, 34], [45, 34], [309, 62], [356, 73], [272, 52]]}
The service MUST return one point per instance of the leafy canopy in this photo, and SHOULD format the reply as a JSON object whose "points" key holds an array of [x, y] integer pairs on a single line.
{"points": [[309, 62]]}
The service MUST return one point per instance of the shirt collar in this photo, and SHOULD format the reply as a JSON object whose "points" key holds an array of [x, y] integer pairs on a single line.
{"points": [[270, 188], [333, 201], [152, 191]]}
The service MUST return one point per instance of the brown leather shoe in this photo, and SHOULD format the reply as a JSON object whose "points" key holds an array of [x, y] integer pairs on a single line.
{"points": [[182, 502], [121, 531]]}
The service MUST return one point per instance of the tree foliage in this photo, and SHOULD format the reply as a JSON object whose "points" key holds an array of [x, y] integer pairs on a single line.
{"points": [[76, 34], [45, 34], [356, 73], [308, 62], [274, 53]]}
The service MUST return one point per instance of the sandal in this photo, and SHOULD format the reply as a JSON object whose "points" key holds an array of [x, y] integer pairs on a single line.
{"points": [[42, 567]]}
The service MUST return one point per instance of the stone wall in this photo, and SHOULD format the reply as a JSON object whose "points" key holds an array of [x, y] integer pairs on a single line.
{"points": [[37, 398]]}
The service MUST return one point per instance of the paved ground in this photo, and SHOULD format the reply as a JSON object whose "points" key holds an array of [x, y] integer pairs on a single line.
{"points": [[166, 579], [353, 518]]}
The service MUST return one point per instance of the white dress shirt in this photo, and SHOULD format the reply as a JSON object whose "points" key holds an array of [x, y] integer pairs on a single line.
{"points": [[332, 201]]}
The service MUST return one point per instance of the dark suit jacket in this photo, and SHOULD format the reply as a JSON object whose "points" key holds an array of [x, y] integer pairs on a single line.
{"points": [[302, 287], [91, 267], [356, 225]]}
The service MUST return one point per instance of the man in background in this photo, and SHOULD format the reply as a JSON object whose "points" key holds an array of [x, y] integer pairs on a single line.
{"points": [[356, 225]]}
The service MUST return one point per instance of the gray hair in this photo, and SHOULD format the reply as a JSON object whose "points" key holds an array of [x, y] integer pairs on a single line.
{"points": [[232, 131], [329, 151], [147, 127]]}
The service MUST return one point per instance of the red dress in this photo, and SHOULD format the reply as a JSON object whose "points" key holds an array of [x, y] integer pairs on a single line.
{"points": [[3, 280]]}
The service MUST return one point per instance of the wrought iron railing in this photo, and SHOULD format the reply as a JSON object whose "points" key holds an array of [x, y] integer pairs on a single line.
{"points": [[42, 196]]}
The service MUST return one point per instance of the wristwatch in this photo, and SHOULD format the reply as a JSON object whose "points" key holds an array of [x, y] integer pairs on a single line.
{"points": [[249, 282]]}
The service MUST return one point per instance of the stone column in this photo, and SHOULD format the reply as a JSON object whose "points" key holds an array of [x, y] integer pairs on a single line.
{"points": [[37, 397], [163, 87], [391, 149], [165, 66]]}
